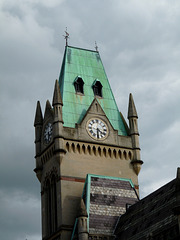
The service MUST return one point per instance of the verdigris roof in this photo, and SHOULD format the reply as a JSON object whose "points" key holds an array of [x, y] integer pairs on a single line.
{"points": [[87, 65]]}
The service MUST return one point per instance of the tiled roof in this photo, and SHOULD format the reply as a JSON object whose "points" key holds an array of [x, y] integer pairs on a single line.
{"points": [[87, 65], [106, 199]]}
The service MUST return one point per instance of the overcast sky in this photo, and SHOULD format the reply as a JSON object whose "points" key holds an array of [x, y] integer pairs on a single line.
{"points": [[139, 44]]}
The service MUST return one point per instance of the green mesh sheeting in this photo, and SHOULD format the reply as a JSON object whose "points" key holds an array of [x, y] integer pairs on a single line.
{"points": [[87, 65]]}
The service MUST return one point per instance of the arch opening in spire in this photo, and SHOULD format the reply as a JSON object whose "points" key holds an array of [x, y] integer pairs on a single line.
{"points": [[97, 88], [79, 85]]}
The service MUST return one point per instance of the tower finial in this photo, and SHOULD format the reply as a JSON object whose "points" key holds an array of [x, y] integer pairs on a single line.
{"points": [[66, 36], [96, 46]]}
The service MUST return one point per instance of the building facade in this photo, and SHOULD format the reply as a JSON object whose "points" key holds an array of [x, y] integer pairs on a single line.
{"points": [[87, 156]]}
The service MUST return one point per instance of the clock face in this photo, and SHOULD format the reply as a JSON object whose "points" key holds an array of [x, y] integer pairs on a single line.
{"points": [[97, 129], [48, 133]]}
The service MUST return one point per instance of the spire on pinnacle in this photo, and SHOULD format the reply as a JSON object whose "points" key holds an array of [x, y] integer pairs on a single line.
{"points": [[38, 117], [82, 209], [131, 109], [57, 95]]}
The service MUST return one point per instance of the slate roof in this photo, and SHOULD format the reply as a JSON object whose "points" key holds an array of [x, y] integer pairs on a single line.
{"points": [[106, 199], [86, 64], [153, 217]]}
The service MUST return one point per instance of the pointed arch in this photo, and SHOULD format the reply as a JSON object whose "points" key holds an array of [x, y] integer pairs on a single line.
{"points": [[120, 154], [83, 149], [104, 151], [114, 153], [54, 203], [99, 151], [50, 191], [79, 85], [67, 146], [89, 150], [94, 150], [125, 154], [130, 155], [78, 148], [109, 152], [48, 207], [73, 147]]}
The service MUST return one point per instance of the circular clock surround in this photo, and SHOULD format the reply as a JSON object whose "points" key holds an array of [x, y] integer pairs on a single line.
{"points": [[48, 133], [97, 129]]}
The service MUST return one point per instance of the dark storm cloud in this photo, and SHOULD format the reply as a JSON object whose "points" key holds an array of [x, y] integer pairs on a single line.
{"points": [[139, 46]]}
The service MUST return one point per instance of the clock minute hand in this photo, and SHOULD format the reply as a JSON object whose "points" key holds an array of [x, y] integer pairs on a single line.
{"points": [[98, 131]]}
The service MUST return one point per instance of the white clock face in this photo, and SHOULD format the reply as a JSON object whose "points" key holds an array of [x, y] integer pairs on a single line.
{"points": [[97, 129], [48, 133]]}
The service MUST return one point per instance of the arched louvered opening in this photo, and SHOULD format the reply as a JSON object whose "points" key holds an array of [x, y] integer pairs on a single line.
{"points": [[79, 85], [97, 88]]}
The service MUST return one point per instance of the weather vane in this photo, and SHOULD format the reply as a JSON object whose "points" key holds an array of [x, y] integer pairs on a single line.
{"points": [[96, 46], [66, 36]]}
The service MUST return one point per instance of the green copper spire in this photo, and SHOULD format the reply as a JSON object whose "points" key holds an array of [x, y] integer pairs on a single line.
{"points": [[86, 65]]}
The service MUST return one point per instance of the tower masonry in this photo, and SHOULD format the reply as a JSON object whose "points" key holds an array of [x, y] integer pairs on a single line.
{"points": [[82, 133]]}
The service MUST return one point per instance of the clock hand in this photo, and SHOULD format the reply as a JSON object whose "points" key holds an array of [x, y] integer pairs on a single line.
{"points": [[100, 131], [97, 132]]}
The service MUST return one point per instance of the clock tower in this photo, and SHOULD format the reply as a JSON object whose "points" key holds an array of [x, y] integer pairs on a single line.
{"points": [[81, 133]]}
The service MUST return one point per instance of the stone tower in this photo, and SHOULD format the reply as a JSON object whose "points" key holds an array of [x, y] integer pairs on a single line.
{"points": [[82, 133]]}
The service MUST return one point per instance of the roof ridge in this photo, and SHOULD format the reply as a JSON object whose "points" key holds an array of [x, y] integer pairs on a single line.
{"points": [[83, 49]]}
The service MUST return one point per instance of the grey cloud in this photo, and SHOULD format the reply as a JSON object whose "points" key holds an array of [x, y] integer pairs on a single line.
{"points": [[139, 46]]}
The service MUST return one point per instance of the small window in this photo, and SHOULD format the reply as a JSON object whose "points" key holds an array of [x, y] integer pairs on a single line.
{"points": [[97, 88], [79, 85]]}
